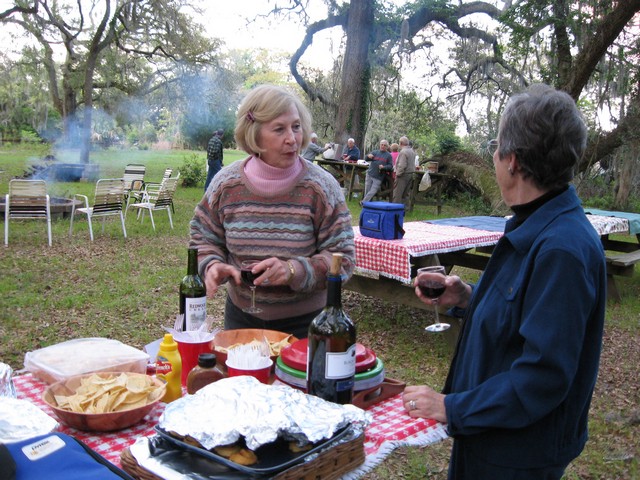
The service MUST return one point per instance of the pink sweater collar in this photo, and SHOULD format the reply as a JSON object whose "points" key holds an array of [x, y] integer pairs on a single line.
{"points": [[269, 180]]}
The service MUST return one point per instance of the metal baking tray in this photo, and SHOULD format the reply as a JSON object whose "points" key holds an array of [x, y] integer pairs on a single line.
{"points": [[273, 457]]}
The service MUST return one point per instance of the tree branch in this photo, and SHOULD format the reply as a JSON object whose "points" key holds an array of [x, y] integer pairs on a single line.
{"points": [[329, 22], [607, 31], [18, 9]]}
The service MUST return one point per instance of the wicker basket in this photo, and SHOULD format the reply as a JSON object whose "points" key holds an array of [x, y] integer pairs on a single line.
{"points": [[330, 464]]}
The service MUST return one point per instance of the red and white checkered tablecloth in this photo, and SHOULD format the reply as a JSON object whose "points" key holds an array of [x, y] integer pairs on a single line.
{"points": [[391, 427], [107, 444], [392, 258]]}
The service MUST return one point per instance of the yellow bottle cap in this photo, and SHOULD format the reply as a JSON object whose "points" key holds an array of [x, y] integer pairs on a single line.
{"points": [[168, 343]]}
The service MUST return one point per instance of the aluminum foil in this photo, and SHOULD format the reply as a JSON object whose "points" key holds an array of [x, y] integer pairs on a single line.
{"points": [[6, 384], [224, 411], [21, 419]]}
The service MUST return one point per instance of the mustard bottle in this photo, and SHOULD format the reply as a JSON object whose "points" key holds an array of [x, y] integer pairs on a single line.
{"points": [[169, 368]]}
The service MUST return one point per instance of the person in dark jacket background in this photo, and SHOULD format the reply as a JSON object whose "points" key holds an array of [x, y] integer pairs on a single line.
{"points": [[517, 396], [380, 165], [350, 153], [214, 156]]}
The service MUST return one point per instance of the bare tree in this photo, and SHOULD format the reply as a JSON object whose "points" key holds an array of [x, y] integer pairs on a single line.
{"points": [[153, 30], [587, 27]]}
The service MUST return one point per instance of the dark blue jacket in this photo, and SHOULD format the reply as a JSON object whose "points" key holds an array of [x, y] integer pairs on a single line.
{"points": [[353, 153], [521, 382], [380, 158]]}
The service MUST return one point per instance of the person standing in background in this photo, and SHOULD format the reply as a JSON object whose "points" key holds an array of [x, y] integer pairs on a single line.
{"points": [[404, 168], [350, 153], [380, 164], [314, 149], [214, 156], [394, 149]]}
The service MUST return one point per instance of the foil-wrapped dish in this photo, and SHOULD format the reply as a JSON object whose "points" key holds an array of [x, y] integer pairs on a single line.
{"points": [[236, 418]]}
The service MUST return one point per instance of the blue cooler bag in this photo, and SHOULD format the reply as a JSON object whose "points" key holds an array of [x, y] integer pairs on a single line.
{"points": [[382, 220]]}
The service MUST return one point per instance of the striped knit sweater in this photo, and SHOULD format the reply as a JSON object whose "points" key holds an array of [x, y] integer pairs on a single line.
{"points": [[306, 223]]}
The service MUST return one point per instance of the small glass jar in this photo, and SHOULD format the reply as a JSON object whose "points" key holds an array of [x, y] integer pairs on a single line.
{"points": [[204, 373]]}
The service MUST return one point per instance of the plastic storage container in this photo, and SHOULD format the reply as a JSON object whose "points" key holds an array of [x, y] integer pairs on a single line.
{"points": [[84, 355]]}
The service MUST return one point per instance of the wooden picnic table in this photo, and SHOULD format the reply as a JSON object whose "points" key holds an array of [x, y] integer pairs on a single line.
{"points": [[438, 182], [352, 176], [385, 268]]}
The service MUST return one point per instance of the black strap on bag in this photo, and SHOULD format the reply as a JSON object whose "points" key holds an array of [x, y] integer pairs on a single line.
{"points": [[8, 470], [398, 227]]}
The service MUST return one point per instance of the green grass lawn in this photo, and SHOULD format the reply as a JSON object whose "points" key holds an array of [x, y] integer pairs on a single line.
{"points": [[128, 290]]}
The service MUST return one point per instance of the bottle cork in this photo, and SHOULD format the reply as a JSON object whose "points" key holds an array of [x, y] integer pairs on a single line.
{"points": [[336, 264]]}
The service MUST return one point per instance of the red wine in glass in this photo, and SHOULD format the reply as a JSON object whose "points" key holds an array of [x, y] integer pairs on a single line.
{"points": [[431, 284], [248, 277], [432, 289]]}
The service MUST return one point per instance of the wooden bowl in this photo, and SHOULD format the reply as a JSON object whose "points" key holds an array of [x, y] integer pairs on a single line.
{"points": [[100, 422], [227, 338]]}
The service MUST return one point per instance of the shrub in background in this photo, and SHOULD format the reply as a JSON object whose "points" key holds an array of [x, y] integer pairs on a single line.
{"points": [[192, 170], [448, 142]]}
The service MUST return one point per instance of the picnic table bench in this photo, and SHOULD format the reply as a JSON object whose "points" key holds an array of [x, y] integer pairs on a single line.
{"points": [[622, 264]]}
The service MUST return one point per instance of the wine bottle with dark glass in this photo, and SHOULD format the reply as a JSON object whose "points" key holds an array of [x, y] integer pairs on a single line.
{"points": [[193, 295], [331, 361]]}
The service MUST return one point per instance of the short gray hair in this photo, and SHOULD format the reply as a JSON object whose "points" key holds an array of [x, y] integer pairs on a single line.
{"points": [[543, 127]]}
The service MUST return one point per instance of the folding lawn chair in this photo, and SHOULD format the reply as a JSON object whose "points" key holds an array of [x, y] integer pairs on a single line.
{"points": [[107, 201], [27, 199]]}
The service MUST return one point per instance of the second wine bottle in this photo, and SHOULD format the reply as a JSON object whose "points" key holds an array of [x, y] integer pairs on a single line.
{"points": [[331, 358]]}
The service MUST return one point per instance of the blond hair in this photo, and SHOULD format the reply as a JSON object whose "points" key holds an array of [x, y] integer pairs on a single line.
{"points": [[261, 105]]}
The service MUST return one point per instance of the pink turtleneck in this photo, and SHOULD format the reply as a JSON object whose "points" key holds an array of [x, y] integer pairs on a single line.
{"points": [[267, 179]]}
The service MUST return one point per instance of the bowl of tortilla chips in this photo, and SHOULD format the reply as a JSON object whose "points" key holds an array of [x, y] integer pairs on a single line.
{"points": [[104, 401], [225, 340]]}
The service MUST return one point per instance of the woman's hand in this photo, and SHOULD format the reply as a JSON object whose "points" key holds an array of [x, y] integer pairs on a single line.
{"points": [[274, 271], [217, 274], [424, 402], [457, 292]]}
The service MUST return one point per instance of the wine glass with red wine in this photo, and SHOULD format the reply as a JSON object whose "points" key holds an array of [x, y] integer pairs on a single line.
{"points": [[431, 284], [248, 277]]}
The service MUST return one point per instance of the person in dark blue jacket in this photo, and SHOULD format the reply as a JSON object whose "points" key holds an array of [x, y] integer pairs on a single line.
{"points": [[517, 397], [350, 153]]}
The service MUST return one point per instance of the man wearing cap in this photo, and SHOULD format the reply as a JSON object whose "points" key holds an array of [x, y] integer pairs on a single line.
{"points": [[314, 149], [214, 156]]}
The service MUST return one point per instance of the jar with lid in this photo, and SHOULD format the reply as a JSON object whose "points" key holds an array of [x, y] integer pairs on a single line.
{"points": [[204, 373]]}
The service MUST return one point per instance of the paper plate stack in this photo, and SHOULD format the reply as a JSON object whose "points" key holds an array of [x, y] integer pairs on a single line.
{"points": [[291, 367]]}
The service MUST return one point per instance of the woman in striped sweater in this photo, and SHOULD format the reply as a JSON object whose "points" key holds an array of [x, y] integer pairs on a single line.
{"points": [[274, 206]]}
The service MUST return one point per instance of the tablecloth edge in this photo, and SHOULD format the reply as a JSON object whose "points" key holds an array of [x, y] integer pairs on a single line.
{"points": [[437, 433]]}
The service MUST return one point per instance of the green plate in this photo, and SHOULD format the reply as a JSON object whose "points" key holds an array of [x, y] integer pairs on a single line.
{"points": [[363, 381]]}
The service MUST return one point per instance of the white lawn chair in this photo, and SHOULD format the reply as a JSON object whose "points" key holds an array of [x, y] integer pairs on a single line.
{"points": [[157, 197], [133, 180], [27, 199], [137, 195], [108, 201]]}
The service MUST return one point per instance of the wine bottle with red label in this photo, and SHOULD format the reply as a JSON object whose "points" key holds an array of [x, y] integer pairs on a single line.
{"points": [[331, 359]]}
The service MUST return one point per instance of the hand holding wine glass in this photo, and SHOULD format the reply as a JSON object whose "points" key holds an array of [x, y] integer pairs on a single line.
{"points": [[248, 277], [431, 281]]}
